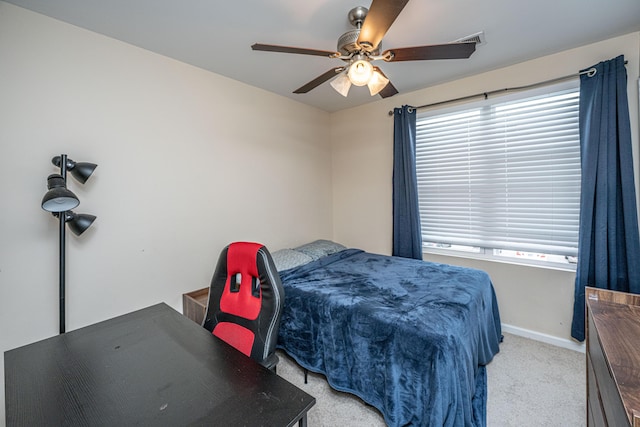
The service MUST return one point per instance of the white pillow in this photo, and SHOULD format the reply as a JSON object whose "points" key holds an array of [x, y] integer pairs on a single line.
{"points": [[285, 259], [320, 248]]}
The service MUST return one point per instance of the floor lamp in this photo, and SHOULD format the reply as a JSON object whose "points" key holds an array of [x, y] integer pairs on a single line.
{"points": [[59, 201]]}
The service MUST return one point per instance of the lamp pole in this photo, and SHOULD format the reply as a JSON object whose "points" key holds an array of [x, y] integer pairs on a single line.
{"points": [[59, 201], [62, 271]]}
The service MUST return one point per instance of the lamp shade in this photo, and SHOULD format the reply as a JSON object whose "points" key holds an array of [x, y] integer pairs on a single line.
{"points": [[341, 84], [78, 223], [360, 72], [82, 171], [79, 170], [377, 83], [58, 198]]}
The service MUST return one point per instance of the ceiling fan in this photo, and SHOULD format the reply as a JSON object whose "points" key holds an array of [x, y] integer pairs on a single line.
{"points": [[361, 46]]}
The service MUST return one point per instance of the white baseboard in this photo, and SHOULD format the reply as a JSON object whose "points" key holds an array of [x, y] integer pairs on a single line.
{"points": [[549, 339]]}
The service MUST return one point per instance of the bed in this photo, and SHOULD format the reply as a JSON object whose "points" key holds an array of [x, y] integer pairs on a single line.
{"points": [[408, 337]]}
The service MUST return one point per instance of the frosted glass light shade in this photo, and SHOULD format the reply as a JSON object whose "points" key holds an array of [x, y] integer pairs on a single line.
{"points": [[360, 72], [341, 84], [377, 83]]}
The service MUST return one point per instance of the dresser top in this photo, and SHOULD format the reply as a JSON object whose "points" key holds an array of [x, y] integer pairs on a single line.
{"points": [[616, 316]]}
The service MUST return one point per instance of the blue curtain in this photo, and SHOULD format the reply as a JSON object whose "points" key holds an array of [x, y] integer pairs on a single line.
{"points": [[608, 244], [407, 240]]}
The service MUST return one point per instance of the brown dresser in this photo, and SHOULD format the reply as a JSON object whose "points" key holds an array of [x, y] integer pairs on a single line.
{"points": [[613, 358]]}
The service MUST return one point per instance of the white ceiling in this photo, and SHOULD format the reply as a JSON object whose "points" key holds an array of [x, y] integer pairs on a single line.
{"points": [[217, 35]]}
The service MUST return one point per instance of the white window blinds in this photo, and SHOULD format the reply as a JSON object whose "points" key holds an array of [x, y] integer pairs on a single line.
{"points": [[502, 176]]}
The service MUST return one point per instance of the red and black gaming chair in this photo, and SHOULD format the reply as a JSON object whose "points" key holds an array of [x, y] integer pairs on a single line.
{"points": [[245, 301]]}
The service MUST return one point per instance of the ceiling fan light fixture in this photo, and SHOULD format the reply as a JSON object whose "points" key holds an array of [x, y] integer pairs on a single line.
{"points": [[360, 72], [361, 46], [341, 84], [377, 83]]}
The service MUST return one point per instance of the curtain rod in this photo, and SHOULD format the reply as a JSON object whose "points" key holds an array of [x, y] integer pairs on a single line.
{"points": [[590, 72]]}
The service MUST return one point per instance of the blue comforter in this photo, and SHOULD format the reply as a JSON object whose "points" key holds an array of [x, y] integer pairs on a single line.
{"points": [[409, 337]]}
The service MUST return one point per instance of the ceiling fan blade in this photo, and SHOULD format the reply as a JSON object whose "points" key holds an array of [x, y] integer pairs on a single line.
{"points": [[389, 89], [299, 50], [319, 80], [381, 15], [436, 51]]}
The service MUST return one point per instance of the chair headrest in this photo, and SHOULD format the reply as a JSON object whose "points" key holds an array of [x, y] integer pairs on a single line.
{"points": [[241, 258]]}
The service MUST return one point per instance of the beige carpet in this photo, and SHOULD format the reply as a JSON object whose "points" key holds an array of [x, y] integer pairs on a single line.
{"points": [[529, 383]]}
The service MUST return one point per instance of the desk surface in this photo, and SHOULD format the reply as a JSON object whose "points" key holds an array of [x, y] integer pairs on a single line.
{"points": [[150, 367]]}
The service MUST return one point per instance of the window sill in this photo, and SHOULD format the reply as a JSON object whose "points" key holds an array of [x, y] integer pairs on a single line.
{"points": [[502, 260]]}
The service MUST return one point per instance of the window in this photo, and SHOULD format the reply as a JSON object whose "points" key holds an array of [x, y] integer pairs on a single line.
{"points": [[502, 179]]}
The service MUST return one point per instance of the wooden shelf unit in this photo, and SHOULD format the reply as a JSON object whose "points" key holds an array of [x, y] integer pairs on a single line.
{"points": [[194, 304]]}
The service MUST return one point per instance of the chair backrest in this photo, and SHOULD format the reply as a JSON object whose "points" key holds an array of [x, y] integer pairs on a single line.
{"points": [[246, 298]]}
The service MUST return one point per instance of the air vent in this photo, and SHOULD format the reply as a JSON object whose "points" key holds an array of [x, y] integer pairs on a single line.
{"points": [[477, 38]]}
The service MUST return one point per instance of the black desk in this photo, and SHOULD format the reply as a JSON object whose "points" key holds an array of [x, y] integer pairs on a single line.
{"points": [[150, 367]]}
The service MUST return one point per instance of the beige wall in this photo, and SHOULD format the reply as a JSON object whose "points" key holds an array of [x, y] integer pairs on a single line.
{"points": [[188, 161], [531, 299]]}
